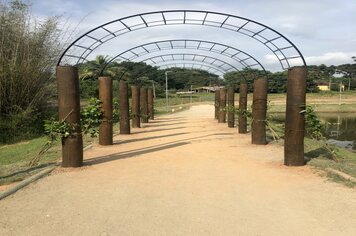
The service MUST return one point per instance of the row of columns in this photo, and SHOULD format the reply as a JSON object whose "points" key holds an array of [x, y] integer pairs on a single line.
{"points": [[142, 109], [294, 122], [69, 110]]}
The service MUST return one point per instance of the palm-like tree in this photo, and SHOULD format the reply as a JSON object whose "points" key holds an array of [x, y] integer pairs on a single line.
{"points": [[99, 67]]}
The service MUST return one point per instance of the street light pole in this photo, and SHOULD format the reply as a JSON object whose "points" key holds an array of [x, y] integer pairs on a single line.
{"points": [[167, 90]]}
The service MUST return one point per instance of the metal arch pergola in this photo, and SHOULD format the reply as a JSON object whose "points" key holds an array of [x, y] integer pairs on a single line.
{"points": [[192, 57], [243, 58], [189, 65], [214, 65], [284, 50]]}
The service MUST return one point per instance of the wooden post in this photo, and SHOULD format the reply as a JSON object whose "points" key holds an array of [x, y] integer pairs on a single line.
{"points": [[243, 108], [259, 111], [69, 110], [124, 108], [294, 124], [144, 105], [135, 91], [217, 104], [231, 107], [105, 96], [222, 110], [150, 103]]}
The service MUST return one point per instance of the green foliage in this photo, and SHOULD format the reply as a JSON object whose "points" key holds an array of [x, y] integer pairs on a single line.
{"points": [[246, 113], [91, 117], [312, 122], [57, 130], [20, 126], [29, 50], [314, 130]]}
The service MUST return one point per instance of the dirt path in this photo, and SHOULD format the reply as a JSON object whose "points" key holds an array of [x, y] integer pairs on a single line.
{"points": [[182, 174]]}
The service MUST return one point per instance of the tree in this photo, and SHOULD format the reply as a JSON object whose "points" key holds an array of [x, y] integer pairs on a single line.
{"points": [[99, 67], [29, 51]]}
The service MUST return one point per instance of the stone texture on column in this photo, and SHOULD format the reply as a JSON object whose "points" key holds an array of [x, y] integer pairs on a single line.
{"points": [[231, 107], [144, 105], [243, 108], [217, 103], [105, 96], [222, 110], [295, 124], [150, 104], [259, 111], [124, 108], [135, 104], [69, 110]]}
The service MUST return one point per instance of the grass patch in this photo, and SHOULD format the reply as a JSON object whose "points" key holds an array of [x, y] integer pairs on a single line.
{"points": [[15, 158], [320, 158]]}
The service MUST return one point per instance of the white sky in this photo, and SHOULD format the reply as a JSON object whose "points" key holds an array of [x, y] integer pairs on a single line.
{"points": [[323, 30]]}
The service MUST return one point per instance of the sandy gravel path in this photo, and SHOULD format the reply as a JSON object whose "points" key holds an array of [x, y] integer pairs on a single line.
{"points": [[182, 174]]}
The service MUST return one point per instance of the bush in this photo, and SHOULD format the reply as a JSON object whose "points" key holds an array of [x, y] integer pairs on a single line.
{"points": [[29, 50]]}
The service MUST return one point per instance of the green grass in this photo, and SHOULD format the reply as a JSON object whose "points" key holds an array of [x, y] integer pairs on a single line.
{"points": [[15, 158], [322, 159]]}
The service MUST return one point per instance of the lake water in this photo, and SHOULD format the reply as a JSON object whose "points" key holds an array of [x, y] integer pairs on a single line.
{"points": [[339, 129]]}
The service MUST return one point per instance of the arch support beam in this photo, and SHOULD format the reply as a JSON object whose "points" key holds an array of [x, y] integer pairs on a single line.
{"points": [[295, 124], [259, 111], [69, 111], [105, 96]]}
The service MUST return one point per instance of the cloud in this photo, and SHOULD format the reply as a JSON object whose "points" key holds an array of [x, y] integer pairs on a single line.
{"points": [[331, 58]]}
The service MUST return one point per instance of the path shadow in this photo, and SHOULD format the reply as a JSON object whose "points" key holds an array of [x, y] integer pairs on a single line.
{"points": [[27, 170], [147, 138], [124, 155], [169, 124], [317, 153], [165, 121], [157, 130]]}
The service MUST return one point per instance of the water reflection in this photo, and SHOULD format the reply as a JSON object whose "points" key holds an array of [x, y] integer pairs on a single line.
{"points": [[339, 129]]}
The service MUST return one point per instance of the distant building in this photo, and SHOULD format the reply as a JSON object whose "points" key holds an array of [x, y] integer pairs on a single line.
{"points": [[204, 89], [323, 87]]}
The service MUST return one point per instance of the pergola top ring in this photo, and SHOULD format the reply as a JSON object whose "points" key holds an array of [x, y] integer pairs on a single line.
{"points": [[241, 57], [285, 51]]}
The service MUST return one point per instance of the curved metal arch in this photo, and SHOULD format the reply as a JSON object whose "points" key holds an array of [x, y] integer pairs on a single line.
{"points": [[264, 34], [203, 45], [192, 57], [190, 65]]}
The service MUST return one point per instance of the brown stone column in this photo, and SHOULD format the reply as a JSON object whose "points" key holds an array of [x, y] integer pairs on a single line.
{"points": [[69, 110], [243, 108], [105, 96], [259, 111], [124, 108], [144, 105], [217, 103], [222, 110], [231, 107], [150, 103], [294, 125], [135, 91]]}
